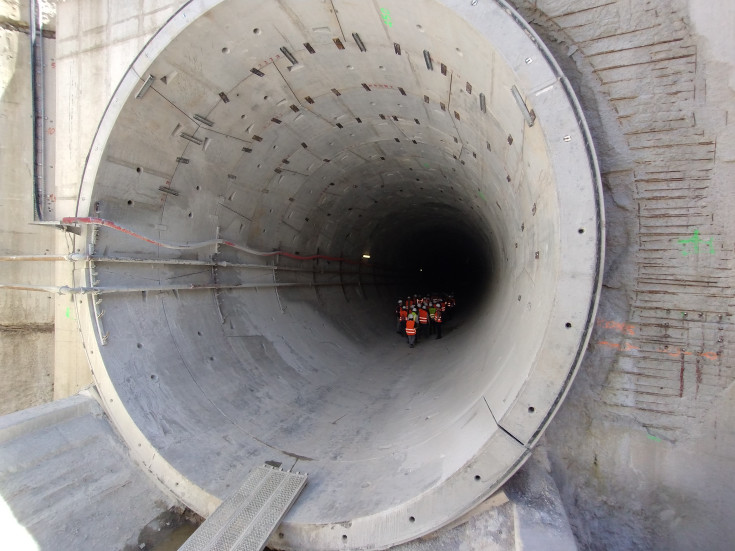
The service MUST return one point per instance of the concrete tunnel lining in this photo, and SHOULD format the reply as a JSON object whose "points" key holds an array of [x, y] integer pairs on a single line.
{"points": [[304, 158]]}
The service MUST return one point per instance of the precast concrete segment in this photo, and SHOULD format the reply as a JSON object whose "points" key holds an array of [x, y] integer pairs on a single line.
{"points": [[394, 126]]}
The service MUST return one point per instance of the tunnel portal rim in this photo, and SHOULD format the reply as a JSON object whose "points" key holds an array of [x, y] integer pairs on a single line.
{"points": [[178, 483]]}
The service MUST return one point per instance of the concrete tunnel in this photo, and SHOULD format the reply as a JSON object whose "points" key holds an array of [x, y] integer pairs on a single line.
{"points": [[252, 157]]}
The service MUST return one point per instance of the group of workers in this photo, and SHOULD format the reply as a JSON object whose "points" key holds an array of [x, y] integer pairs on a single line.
{"points": [[418, 317]]}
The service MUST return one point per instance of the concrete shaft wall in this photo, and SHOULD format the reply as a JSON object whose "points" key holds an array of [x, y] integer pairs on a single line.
{"points": [[643, 448], [26, 318]]}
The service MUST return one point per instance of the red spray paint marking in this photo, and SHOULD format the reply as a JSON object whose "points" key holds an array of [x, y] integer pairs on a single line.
{"points": [[681, 377]]}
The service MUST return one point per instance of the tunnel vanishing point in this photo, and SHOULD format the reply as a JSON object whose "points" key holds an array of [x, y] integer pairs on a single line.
{"points": [[252, 158]]}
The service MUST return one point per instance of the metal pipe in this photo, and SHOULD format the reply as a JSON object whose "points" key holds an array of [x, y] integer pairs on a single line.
{"points": [[98, 311], [39, 288], [72, 221], [528, 115], [78, 257], [66, 290], [38, 108], [34, 258]]}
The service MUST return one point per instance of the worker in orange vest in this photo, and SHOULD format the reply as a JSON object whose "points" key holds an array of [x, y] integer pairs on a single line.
{"points": [[438, 321], [423, 321], [402, 318], [411, 330]]}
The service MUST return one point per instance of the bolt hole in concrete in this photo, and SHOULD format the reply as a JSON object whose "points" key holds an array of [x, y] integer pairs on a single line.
{"points": [[309, 371]]}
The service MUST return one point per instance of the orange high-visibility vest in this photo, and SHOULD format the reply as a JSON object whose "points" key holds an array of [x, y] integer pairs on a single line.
{"points": [[438, 316], [410, 327], [423, 317], [404, 315]]}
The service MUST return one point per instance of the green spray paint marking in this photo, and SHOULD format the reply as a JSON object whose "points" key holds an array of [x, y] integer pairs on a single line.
{"points": [[695, 241], [68, 313], [483, 196], [654, 438], [386, 17]]}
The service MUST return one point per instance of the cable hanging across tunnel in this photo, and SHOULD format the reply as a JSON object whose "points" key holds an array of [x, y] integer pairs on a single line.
{"points": [[71, 221]]}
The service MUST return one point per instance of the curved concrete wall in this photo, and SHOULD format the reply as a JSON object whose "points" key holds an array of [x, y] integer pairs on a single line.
{"points": [[273, 127], [642, 448]]}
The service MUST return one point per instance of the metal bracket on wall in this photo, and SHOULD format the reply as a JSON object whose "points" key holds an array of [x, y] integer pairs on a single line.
{"points": [[528, 114]]}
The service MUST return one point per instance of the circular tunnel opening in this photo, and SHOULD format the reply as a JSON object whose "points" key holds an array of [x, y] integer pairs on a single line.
{"points": [[231, 202]]}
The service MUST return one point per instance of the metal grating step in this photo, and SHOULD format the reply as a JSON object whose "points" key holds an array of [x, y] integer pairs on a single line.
{"points": [[246, 520]]}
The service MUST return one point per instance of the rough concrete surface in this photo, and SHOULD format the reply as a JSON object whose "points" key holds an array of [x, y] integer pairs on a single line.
{"points": [[96, 44], [68, 481], [632, 447], [528, 517], [26, 318]]}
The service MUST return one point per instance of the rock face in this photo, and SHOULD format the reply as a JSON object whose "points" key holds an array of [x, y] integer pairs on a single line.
{"points": [[641, 446]]}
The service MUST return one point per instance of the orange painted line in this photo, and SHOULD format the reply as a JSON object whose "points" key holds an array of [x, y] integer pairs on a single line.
{"points": [[629, 329], [626, 348], [626, 328], [708, 355]]}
